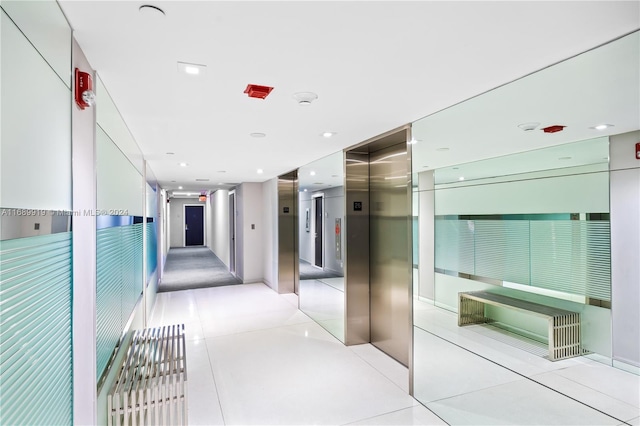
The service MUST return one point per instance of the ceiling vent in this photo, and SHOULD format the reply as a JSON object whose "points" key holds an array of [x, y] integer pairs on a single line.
{"points": [[305, 98], [256, 91]]}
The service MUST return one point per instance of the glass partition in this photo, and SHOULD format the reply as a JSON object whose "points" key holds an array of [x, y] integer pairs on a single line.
{"points": [[321, 242], [508, 241], [36, 369]]}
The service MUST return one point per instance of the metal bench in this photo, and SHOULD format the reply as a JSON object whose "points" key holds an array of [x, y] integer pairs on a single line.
{"points": [[151, 387], [564, 326]]}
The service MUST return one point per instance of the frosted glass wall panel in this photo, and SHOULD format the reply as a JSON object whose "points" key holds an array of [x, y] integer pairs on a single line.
{"points": [[120, 185], [111, 122], [152, 248], [572, 256], [36, 135], [44, 24], [534, 195], [502, 249], [35, 330], [119, 285], [454, 249]]}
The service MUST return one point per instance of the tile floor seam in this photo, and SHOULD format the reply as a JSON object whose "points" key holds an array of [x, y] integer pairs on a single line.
{"points": [[374, 367], [523, 377], [215, 385], [588, 387], [390, 412], [584, 386], [269, 328]]}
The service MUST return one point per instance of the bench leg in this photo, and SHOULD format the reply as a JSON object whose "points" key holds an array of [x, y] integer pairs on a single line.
{"points": [[564, 337], [470, 311]]}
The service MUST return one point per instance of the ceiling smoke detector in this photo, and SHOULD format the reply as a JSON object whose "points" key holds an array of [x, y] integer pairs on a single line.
{"points": [[305, 98], [527, 127]]}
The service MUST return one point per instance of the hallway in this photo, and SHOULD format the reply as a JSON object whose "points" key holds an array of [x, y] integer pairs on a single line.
{"points": [[254, 358], [194, 267]]}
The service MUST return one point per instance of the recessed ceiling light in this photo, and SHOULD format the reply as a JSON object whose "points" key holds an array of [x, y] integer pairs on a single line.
{"points": [[222, 171], [171, 153], [456, 168], [312, 173], [305, 98], [260, 171], [305, 190], [564, 158], [179, 187], [461, 178], [183, 164], [602, 126], [192, 69], [442, 149], [412, 142], [149, 10], [257, 135], [220, 183], [425, 167], [202, 180], [173, 181], [328, 134]]}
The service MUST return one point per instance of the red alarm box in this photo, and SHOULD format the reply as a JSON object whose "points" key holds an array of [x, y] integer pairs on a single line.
{"points": [[84, 90]]}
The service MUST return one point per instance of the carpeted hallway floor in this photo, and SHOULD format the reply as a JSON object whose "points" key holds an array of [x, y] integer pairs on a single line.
{"points": [[194, 267]]}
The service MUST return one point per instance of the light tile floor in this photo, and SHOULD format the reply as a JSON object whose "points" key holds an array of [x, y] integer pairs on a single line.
{"points": [[254, 358], [468, 376]]}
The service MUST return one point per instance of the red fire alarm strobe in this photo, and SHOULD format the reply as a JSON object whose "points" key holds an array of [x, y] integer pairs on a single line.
{"points": [[553, 129], [84, 90], [638, 151], [256, 91]]}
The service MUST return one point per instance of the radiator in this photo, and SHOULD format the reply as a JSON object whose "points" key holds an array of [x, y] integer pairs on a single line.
{"points": [[151, 387]]}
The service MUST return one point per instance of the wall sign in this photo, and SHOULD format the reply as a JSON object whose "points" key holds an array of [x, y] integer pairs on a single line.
{"points": [[285, 210], [357, 206]]}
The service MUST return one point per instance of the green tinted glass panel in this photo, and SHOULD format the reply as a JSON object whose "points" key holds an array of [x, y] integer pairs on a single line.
{"points": [[35, 330], [152, 249], [572, 256], [454, 245], [502, 249], [119, 285]]}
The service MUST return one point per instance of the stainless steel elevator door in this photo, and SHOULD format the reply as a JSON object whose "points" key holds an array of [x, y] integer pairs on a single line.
{"points": [[389, 262]]}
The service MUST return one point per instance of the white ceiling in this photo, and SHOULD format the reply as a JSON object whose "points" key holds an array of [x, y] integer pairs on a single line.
{"points": [[374, 65], [601, 86]]}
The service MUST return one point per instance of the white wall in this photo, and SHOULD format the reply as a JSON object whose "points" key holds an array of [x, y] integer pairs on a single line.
{"points": [[625, 247], [219, 241], [333, 208], [177, 220], [85, 408], [270, 234], [305, 246], [249, 232]]}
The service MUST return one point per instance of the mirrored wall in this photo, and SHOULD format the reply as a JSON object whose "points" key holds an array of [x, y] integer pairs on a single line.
{"points": [[514, 269], [321, 242]]}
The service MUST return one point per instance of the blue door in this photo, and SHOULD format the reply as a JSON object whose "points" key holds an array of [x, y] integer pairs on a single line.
{"points": [[194, 225]]}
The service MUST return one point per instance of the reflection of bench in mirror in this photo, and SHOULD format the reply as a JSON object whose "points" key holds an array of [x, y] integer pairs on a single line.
{"points": [[564, 326]]}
